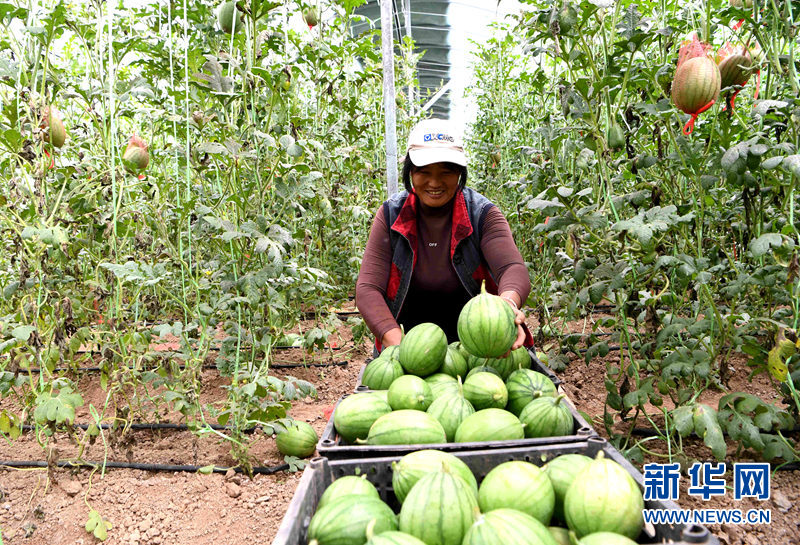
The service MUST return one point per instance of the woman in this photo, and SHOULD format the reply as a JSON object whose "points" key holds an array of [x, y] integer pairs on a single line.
{"points": [[432, 246]]}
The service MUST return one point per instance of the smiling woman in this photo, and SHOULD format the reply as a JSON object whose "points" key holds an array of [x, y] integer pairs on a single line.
{"points": [[432, 245]]}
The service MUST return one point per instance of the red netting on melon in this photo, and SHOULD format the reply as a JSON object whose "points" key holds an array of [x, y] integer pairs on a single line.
{"points": [[692, 47]]}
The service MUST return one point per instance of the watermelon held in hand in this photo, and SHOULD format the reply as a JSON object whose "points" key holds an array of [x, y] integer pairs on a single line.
{"points": [[423, 349], [599, 485], [298, 439], [486, 325]]}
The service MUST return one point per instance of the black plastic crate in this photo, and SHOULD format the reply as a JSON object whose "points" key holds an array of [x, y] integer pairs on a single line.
{"points": [[332, 446], [321, 472], [536, 365]]}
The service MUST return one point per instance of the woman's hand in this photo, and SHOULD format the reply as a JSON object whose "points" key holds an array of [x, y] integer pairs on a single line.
{"points": [[394, 336], [513, 300]]}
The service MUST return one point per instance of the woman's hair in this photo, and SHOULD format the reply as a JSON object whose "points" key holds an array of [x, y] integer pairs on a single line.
{"points": [[408, 168]]}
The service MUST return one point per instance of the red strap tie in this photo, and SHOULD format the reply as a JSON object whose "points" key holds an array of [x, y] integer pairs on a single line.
{"points": [[689, 127]]}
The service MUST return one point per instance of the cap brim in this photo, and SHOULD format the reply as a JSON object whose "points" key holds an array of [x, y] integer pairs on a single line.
{"points": [[422, 157]]}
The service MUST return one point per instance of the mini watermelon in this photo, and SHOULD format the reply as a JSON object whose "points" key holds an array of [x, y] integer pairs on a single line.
{"points": [[355, 415], [604, 498], [518, 485], [455, 364], [508, 527], [439, 509], [406, 427], [485, 390], [450, 410], [394, 538], [345, 520], [441, 384], [298, 439], [381, 372], [547, 417], [490, 425], [518, 359], [524, 386], [412, 467], [410, 392], [483, 369], [562, 471], [347, 485], [423, 349], [486, 325]]}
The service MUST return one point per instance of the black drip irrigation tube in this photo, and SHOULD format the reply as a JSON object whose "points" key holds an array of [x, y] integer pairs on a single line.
{"points": [[94, 352], [22, 464], [157, 426], [275, 366]]}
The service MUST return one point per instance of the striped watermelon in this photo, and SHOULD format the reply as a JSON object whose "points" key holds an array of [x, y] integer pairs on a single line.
{"points": [[406, 427], [345, 520], [412, 467], [604, 498], [484, 369], [562, 471], [486, 325], [696, 83], [298, 439], [423, 349], [508, 527], [561, 535], [346, 486], [381, 372], [410, 392], [439, 509], [518, 485], [455, 364], [605, 538], [489, 425], [525, 385], [450, 410], [441, 384], [394, 538], [355, 415], [735, 69], [485, 390], [547, 417]]}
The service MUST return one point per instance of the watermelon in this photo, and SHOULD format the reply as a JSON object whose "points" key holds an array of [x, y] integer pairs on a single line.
{"points": [[394, 538], [485, 390], [508, 527], [412, 467], [410, 392], [423, 349], [229, 18], [347, 485], [562, 471], [381, 372], [604, 498], [547, 417], [406, 427], [483, 369], [489, 425], [486, 325], [518, 485], [605, 538], [345, 520], [696, 83], [391, 352], [450, 410], [524, 386], [356, 413], [298, 439], [455, 364], [441, 384], [439, 509]]}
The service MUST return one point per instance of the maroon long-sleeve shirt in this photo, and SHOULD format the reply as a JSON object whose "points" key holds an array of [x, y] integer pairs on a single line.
{"points": [[435, 294]]}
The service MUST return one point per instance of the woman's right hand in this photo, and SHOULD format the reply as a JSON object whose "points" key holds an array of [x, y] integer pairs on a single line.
{"points": [[392, 337]]}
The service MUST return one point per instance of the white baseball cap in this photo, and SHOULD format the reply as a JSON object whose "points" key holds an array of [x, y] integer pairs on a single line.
{"points": [[436, 141]]}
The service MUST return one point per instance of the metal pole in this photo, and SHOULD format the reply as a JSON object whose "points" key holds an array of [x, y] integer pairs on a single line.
{"points": [[387, 48], [411, 100]]}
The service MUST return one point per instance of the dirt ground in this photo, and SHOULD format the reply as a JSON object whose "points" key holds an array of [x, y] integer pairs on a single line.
{"points": [[41, 507]]}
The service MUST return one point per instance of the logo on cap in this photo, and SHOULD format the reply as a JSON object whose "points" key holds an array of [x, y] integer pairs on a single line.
{"points": [[432, 137]]}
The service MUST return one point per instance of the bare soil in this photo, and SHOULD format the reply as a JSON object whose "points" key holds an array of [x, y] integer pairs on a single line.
{"points": [[38, 506]]}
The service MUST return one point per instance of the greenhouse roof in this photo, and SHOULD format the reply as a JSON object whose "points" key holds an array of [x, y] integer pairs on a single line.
{"points": [[445, 31]]}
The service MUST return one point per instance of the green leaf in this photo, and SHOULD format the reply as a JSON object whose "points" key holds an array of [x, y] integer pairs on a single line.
{"points": [[23, 332], [682, 420], [791, 164], [206, 470], [707, 427], [762, 244]]}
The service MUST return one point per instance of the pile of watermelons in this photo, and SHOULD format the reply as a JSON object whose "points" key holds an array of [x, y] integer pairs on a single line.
{"points": [[425, 391], [440, 503]]}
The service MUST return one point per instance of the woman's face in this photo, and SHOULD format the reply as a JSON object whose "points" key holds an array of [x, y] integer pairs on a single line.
{"points": [[435, 184]]}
